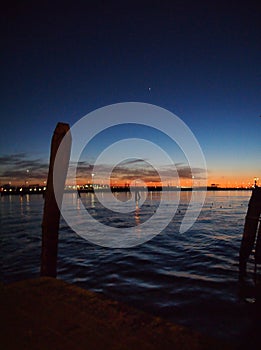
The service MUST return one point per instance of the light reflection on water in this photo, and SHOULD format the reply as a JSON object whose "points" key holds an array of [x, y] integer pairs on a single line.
{"points": [[189, 278]]}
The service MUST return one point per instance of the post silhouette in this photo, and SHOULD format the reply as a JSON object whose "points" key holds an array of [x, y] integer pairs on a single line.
{"points": [[51, 214], [251, 230]]}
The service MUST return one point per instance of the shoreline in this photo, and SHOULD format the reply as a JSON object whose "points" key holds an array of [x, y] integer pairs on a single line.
{"points": [[46, 313], [32, 191]]}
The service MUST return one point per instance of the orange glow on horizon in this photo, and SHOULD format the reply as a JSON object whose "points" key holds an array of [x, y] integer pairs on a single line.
{"points": [[221, 181]]}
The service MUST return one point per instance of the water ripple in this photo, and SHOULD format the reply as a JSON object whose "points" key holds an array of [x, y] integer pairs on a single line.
{"points": [[189, 278]]}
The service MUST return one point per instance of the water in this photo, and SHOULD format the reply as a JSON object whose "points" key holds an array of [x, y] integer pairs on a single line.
{"points": [[190, 278]]}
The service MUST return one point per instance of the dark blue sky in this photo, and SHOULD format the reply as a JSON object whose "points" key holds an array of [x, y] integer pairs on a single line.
{"points": [[201, 59]]}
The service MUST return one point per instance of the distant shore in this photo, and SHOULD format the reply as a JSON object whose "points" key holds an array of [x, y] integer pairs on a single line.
{"points": [[22, 190]]}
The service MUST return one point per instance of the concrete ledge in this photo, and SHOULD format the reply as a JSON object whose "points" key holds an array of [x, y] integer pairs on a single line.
{"points": [[46, 313]]}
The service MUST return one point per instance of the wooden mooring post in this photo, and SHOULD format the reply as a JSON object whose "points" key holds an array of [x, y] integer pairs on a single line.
{"points": [[251, 232], [52, 204]]}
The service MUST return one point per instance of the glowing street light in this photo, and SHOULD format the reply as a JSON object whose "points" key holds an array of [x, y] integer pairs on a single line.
{"points": [[26, 181]]}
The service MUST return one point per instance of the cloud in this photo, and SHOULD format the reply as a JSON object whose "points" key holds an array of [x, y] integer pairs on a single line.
{"points": [[14, 168], [135, 161], [19, 168], [139, 169], [13, 158]]}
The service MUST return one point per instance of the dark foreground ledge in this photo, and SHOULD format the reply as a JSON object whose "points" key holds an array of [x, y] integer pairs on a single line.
{"points": [[46, 313]]}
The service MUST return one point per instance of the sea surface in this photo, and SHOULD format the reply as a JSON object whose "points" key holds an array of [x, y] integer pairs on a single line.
{"points": [[189, 278]]}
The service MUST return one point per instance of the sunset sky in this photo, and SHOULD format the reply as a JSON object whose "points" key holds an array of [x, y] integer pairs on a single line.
{"points": [[200, 60]]}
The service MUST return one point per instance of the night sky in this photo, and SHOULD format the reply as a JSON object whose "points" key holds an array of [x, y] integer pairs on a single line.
{"points": [[199, 59]]}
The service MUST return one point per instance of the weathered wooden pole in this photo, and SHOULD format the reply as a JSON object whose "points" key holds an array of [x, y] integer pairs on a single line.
{"points": [[250, 228], [53, 200], [258, 245]]}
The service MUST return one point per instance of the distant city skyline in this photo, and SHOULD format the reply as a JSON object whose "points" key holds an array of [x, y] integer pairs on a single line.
{"points": [[123, 175]]}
